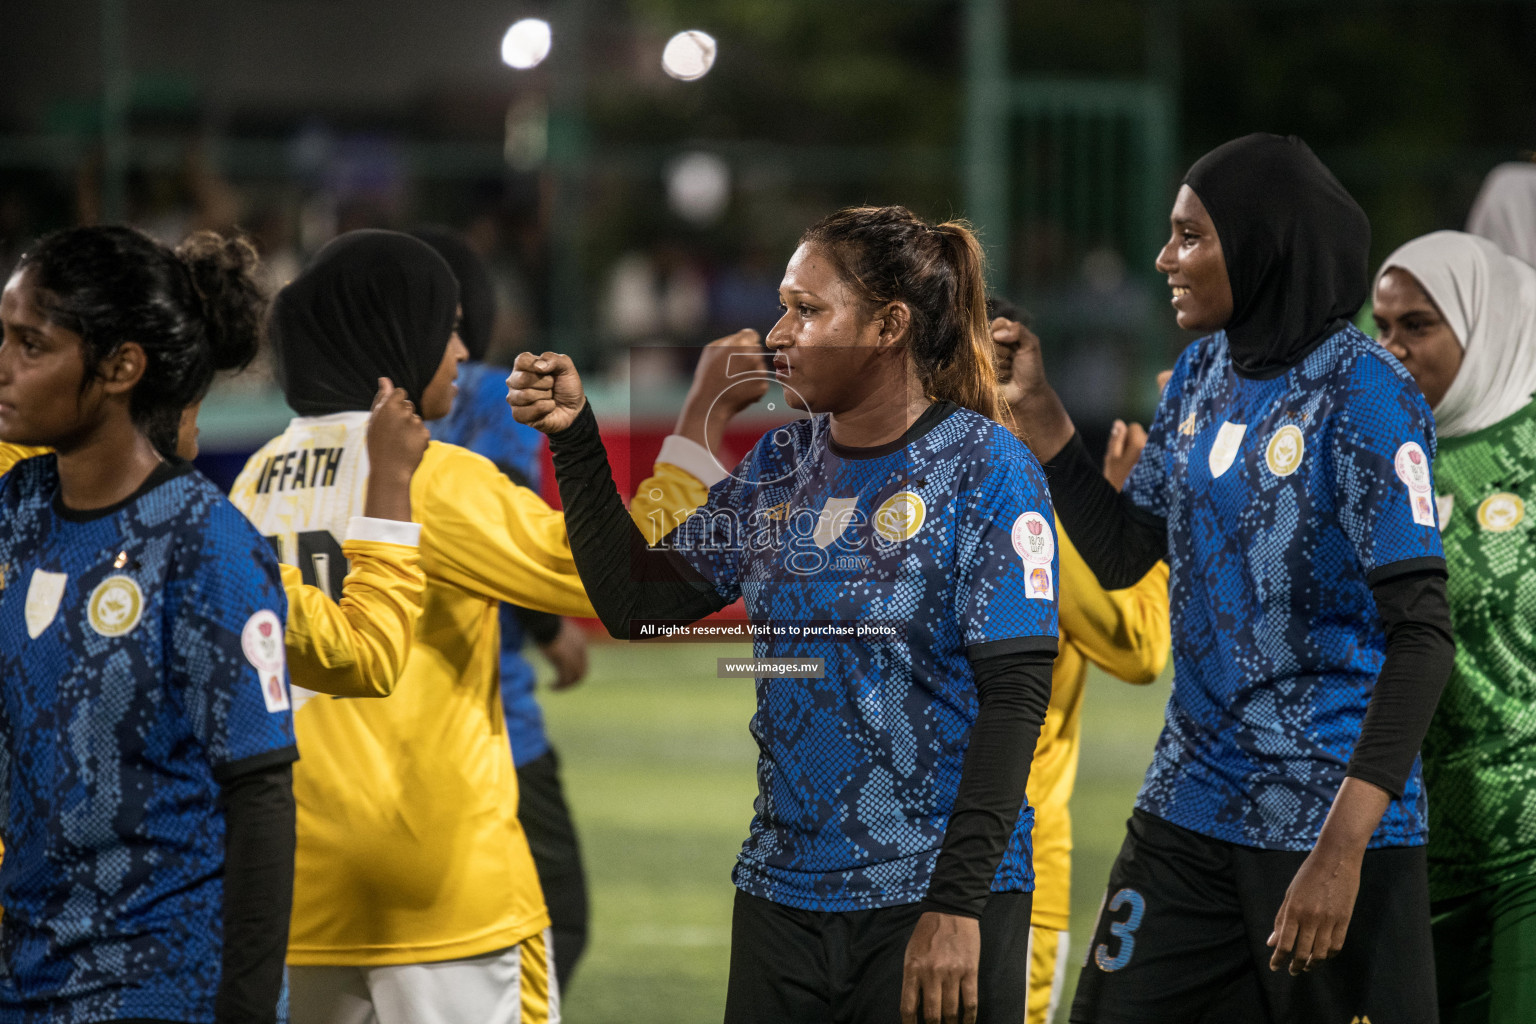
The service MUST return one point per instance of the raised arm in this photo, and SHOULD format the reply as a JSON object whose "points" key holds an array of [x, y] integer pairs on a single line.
{"points": [[357, 647], [1119, 540], [626, 579], [1125, 632]]}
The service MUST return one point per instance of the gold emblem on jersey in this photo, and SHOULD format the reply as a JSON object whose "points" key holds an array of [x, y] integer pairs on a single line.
{"points": [[1500, 512], [1187, 427], [900, 516], [115, 606], [1285, 449]]}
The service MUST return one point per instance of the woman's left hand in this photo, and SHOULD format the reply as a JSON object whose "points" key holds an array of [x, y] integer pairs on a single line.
{"points": [[1314, 916], [1315, 913], [940, 969]]}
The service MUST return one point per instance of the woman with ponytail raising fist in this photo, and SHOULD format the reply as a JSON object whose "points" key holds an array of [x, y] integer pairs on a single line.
{"points": [[896, 553]]}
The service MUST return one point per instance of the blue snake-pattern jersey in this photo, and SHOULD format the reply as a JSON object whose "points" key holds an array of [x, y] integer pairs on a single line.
{"points": [[891, 563], [1285, 499], [481, 422], [137, 666]]}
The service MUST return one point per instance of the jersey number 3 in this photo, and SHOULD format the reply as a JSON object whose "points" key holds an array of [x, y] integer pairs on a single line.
{"points": [[319, 559], [1125, 931]]}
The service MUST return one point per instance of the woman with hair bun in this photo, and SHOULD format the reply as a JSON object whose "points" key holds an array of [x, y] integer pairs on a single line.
{"points": [[897, 548], [145, 739]]}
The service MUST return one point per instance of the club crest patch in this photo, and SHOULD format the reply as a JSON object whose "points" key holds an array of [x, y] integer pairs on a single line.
{"points": [[1501, 512], [1224, 449], [1033, 540], [1285, 450], [900, 516], [44, 593], [115, 606], [262, 641]]}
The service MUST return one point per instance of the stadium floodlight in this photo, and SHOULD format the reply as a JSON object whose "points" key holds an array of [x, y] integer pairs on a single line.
{"points": [[689, 55], [526, 44]]}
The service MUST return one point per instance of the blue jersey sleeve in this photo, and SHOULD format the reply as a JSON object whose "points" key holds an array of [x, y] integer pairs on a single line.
{"points": [[1381, 447], [225, 611], [1006, 562], [1147, 486]]}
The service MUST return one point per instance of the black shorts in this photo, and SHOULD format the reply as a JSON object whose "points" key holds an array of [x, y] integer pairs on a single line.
{"points": [[1181, 938], [792, 966]]}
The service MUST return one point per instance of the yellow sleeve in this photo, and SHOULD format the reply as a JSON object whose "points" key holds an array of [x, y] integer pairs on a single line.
{"points": [[1124, 632], [10, 454], [357, 647], [665, 498], [482, 532]]}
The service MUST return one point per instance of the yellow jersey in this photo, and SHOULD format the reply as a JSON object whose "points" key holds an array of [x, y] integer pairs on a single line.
{"points": [[1125, 633], [409, 846]]}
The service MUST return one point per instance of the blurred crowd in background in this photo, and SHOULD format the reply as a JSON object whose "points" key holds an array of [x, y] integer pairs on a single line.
{"points": [[622, 209]]}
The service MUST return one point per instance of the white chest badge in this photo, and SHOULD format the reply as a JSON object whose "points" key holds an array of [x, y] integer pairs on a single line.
{"points": [[116, 605], [1224, 449], [900, 516], [1501, 512], [836, 514], [1412, 467], [1284, 452], [262, 641], [43, 596]]}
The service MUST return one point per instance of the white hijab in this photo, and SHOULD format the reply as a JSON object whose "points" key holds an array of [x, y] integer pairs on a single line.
{"points": [[1489, 301], [1505, 210]]}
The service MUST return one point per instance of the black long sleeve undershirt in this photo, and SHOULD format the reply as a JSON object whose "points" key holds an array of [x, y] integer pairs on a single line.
{"points": [[1013, 691], [258, 892], [1119, 540], [1416, 614], [627, 580]]}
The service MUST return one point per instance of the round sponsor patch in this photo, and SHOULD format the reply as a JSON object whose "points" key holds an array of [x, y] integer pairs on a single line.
{"points": [[900, 516], [1033, 540], [262, 641], [1286, 447], [115, 606], [1412, 467], [1500, 512]]}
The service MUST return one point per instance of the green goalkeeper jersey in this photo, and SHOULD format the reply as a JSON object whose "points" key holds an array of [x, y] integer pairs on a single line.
{"points": [[1480, 753]]}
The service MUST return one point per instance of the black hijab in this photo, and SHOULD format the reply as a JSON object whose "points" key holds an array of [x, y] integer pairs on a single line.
{"points": [[1296, 244], [477, 296], [371, 304]]}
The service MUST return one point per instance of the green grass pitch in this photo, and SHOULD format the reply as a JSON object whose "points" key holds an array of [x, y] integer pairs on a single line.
{"points": [[659, 770]]}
